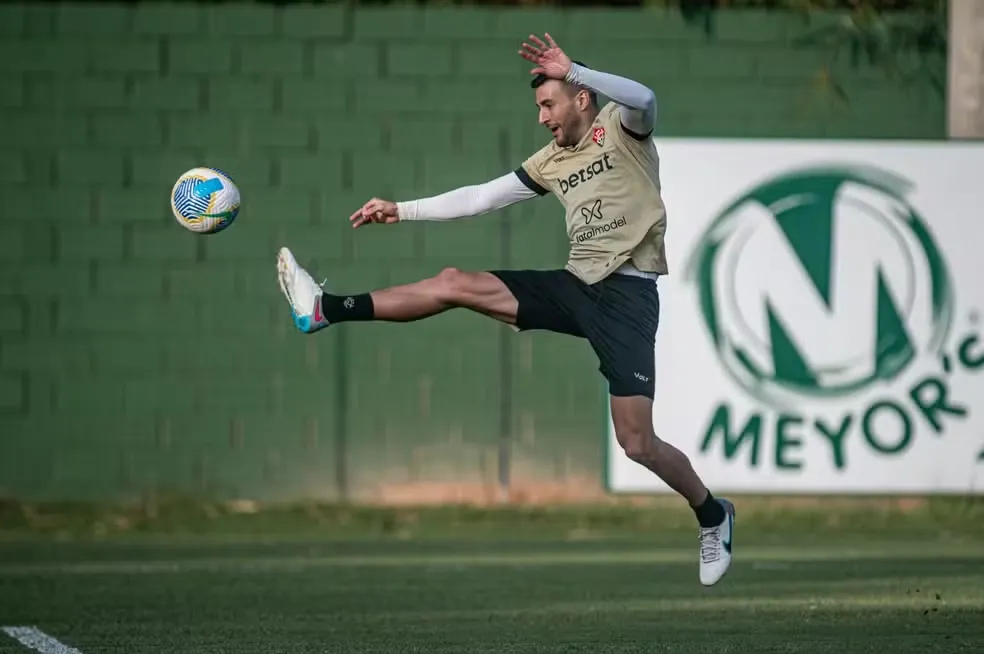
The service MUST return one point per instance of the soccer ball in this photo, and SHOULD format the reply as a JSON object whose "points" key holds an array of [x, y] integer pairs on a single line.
{"points": [[205, 200]]}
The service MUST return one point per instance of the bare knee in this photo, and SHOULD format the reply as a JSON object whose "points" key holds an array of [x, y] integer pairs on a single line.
{"points": [[639, 444], [453, 286]]}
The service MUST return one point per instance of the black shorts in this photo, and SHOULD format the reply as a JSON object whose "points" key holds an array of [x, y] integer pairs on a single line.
{"points": [[618, 315]]}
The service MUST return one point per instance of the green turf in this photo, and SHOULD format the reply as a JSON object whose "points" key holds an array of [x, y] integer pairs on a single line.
{"points": [[896, 586]]}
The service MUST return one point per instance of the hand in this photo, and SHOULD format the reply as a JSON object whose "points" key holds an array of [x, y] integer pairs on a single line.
{"points": [[548, 58], [375, 211]]}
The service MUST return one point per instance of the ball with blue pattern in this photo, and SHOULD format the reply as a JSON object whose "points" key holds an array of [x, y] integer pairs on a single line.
{"points": [[205, 200]]}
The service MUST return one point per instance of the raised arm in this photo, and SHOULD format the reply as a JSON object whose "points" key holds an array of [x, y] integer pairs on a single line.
{"points": [[637, 102], [460, 203]]}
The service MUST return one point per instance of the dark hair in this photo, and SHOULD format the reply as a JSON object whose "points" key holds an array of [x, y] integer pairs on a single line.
{"points": [[540, 79]]}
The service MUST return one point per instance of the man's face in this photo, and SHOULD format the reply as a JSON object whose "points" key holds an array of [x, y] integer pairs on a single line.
{"points": [[559, 111]]}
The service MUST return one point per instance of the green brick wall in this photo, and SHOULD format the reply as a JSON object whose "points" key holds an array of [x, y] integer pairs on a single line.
{"points": [[137, 357]]}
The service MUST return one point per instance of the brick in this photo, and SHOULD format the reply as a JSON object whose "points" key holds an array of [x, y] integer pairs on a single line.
{"points": [[455, 22], [115, 56], [34, 278], [345, 132], [40, 166], [518, 25], [11, 92], [117, 205], [173, 93], [240, 94], [314, 96], [428, 59], [710, 62], [391, 22], [116, 356], [283, 205], [271, 58], [30, 242], [197, 129], [37, 129], [13, 318], [202, 280], [144, 315], [241, 20], [756, 26], [651, 25], [76, 93], [127, 130], [59, 205], [95, 19], [211, 57], [11, 19], [277, 131], [162, 244], [162, 168], [12, 167], [417, 134], [51, 356], [321, 21], [167, 19], [377, 97], [492, 60], [329, 245], [39, 20], [118, 279], [344, 60], [89, 396], [311, 170], [90, 167], [13, 392], [392, 172], [90, 242], [241, 245], [42, 55]]}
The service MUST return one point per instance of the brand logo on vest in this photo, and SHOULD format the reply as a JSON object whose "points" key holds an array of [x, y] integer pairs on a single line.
{"points": [[597, 167], [598, 135]]}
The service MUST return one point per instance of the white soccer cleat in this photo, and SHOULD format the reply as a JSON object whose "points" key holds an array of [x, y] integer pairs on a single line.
{"points": [[302, 292], [715, 547]]}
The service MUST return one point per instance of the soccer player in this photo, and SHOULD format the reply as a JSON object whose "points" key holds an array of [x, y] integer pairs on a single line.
{"points": [[603, 166]]}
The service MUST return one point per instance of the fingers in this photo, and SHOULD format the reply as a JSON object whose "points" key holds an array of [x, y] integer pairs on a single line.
{"points": [[373, 211], [553, 44], [536, 41]]}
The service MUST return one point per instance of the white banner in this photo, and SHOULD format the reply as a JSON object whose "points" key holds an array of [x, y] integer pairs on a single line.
{"points": [[821, 325]]}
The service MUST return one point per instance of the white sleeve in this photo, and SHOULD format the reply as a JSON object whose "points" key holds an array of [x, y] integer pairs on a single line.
{"points": [[637, 103], [467, 200]]}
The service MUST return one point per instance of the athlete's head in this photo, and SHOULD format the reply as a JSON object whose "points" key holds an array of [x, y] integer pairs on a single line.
{"points": [[566, 110]]}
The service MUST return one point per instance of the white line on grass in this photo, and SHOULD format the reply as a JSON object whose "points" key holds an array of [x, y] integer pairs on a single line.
{"points": [[38, 640]]}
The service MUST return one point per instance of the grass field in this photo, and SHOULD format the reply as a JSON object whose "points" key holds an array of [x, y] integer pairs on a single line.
{"points": [[470, 580]]}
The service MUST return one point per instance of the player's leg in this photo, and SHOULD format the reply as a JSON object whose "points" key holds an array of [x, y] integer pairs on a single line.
{"points": [[525, 298], [622, 332]]}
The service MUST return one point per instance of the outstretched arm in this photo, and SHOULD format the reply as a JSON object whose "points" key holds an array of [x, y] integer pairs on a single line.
{"points": [[467, 200], [460, 203], [637, 102]]}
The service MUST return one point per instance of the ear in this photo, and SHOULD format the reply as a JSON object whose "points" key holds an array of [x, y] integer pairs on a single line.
{"points": [[583, 99]]}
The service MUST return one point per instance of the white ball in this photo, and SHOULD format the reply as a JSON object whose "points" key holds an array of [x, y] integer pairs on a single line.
{"points": [[205, 200]]}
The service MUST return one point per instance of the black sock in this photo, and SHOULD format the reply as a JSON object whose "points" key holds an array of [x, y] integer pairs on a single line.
{"points": [[340, 308], [710, 513]]}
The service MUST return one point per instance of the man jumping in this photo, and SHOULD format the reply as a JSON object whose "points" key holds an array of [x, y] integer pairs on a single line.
{"points": [[603, 167]]}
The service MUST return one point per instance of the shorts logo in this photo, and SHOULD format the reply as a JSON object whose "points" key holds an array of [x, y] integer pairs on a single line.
{"points": [[598, 135]]}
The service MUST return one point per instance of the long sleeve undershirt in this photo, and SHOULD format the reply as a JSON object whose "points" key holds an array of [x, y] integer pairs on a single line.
{"points": [[637, 103], [637, 112], [468, 200]]}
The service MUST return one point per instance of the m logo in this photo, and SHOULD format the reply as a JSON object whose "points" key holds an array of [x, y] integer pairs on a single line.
{"points": [[598, 135], [820, 283]]}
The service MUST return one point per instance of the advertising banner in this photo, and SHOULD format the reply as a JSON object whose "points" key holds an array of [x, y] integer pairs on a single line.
{"points": [[821, 327]]}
